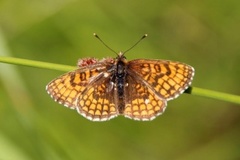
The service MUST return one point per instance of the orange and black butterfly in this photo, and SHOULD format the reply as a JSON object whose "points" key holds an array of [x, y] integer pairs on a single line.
{"points": [[138, 89]]}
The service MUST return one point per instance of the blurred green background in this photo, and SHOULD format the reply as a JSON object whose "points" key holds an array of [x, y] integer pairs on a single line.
{"points": [[204, 34]]}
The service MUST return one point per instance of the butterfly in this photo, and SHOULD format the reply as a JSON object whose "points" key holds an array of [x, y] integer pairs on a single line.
{"points": [[138, 89]]}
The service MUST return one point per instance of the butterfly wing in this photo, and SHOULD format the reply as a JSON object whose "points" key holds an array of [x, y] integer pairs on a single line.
{"points": [[169, 79], [99, 100], [151, 83], [88, 89], [141, 103], [67, 88]]}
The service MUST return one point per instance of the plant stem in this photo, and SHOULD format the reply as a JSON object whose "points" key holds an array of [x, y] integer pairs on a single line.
{"points": [[215, 95], [37, 64], [192, 90]]}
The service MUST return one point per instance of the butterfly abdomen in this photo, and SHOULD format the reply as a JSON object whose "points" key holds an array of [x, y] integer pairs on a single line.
{"points": [[120, 75]]}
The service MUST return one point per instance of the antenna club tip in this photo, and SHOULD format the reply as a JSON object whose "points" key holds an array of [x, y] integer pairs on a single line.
{"points": [[95, 35], [144, 36]]}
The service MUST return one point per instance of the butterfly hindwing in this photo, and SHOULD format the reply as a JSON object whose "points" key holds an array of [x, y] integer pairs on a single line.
{"points": [[141, 103], [98, 101]]}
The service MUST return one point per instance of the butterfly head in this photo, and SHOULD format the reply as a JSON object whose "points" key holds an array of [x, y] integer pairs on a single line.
{"points": [[120, 56]]}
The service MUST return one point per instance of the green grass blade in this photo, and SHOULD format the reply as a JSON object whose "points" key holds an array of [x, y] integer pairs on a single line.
{"points": [[37, 64]]}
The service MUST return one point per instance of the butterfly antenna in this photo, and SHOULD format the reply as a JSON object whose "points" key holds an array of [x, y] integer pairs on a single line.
{"points": [[144, 36], [104, 43]]}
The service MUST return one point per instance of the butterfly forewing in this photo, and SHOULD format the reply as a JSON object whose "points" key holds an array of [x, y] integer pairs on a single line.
{"points": [[169, 79], [63, 91], [67, 88]]}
